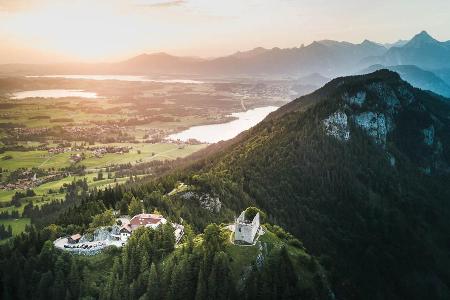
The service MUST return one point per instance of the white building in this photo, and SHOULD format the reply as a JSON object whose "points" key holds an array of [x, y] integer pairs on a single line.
{"points": [[125, 232], [245, 231]]}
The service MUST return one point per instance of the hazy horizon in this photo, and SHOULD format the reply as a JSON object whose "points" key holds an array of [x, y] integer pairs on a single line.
{"points": [[44, 31]]}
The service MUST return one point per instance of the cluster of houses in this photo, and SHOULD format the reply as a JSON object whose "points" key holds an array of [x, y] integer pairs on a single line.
{"points": [[97, 152], [25, 132], [20, 184], [100, 151], [58, 150], [76, 157], [98, 131], [29, 180], [115, 236]]}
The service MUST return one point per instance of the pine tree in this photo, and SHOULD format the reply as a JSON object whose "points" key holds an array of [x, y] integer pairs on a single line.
{"points": [[73, 280], [44, 286], [175, 289], [46, 257], [201, 292], [135, 207], [154, 285], [168, 238]]}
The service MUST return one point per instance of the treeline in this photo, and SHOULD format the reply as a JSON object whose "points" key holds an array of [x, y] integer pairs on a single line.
{"points": [[5, 231], [148, 267], [9, 215], [201, 269], [48, 213], [16, 199]]}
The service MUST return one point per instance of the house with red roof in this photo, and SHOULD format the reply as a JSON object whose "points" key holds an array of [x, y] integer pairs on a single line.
{"points": [[147, 220], [140, 220]]}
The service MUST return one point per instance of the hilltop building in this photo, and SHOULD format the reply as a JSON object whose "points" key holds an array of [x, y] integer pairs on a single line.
{"points": [[245, 230], [125, 232], [73, 239], [146, 220], [114, 235]]}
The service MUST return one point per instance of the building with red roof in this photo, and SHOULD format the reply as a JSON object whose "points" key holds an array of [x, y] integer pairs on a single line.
{"points": [[147, 220]]}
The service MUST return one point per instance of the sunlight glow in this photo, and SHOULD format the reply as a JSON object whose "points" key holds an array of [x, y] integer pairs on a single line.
{"points": [[105, 30]]}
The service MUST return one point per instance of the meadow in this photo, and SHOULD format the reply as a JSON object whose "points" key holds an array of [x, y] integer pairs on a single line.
{"points": [[139, 153]]}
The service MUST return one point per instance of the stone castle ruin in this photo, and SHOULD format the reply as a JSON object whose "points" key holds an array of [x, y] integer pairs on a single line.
{"points": [[245, 230]]}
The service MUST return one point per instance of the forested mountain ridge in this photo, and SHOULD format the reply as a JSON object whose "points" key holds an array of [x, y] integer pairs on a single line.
{"points": [[358, 170], [417, 77]]}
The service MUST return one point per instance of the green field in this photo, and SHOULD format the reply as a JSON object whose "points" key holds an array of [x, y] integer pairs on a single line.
{"points": [[5, 195], [42, 159], [18, 225]]}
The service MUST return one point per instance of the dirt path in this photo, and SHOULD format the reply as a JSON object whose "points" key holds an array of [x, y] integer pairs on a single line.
{"points": [[243, 104], [45, 161]]}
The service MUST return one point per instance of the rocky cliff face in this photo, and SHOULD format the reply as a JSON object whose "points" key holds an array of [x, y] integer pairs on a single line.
{"points": [[394, 115]]}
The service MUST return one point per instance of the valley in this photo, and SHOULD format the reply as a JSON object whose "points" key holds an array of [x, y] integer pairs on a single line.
{"points": [[106, 129]]}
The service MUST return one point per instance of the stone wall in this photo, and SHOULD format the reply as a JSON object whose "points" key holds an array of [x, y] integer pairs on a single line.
{"points": [[245, 231]]}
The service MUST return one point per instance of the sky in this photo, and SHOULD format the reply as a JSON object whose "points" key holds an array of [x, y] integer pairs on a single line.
{"points": [[42, 31]]}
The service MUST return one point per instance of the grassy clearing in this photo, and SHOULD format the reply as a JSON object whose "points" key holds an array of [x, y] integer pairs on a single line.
{"points": [[241, 256], [246, 256], [17, 225], [29, 109], [148, 152], [30, 159], [5, 195]]}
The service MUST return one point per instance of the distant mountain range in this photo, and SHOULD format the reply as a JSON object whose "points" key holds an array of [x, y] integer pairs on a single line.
{"points": [[422, 51], [328, 58]]}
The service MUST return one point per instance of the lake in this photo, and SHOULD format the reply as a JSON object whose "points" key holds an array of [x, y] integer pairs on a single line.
{"points": [[220, 132], [59, 93], [119, 77]]}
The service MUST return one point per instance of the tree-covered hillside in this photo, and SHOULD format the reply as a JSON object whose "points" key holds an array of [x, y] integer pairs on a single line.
{"points": [[359, 171]]}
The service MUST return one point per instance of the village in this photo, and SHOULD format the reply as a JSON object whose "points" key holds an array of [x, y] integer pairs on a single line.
{"points": [[28, 180]]}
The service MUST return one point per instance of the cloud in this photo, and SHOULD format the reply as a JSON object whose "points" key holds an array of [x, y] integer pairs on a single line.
{"points": [[12, 6], [160, 4]]}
